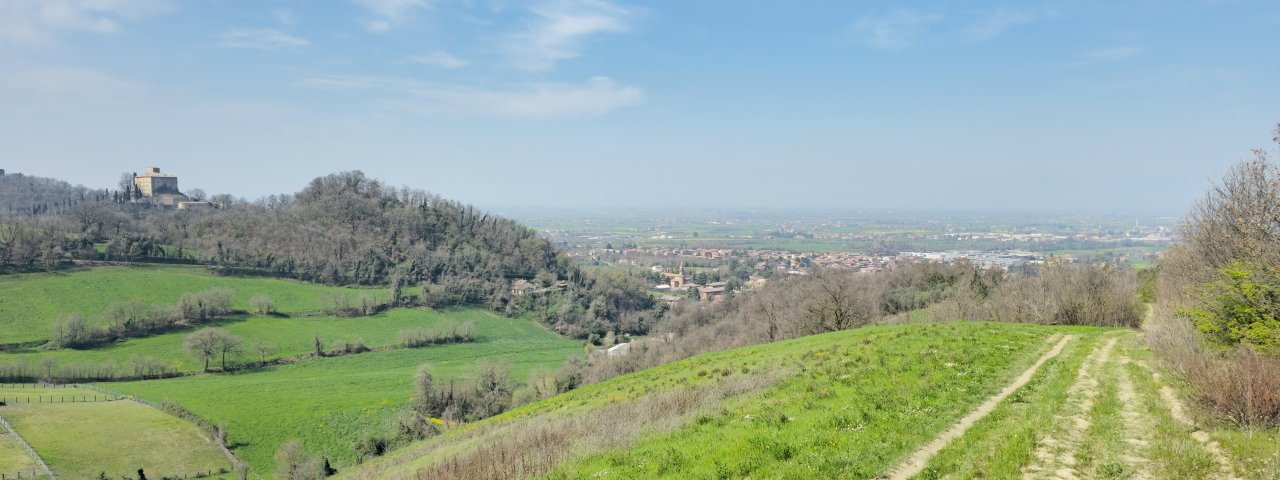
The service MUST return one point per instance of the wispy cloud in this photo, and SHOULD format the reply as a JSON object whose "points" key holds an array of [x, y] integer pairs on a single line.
{"points": [[65, 82], [440, 58], [996, 23], [894, 31], [260, 39], [597, 96], [559, 27], [389, 14], [38, 21], [1112, 54]]}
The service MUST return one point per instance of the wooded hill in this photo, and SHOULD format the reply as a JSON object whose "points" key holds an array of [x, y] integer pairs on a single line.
{"points": [[342, 229]]}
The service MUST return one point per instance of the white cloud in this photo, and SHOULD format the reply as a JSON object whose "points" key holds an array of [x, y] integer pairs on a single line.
{"points": [[894, 31], [996, 23], [1112, 54], [440, 58], [38, 21], [389, 14], [558, 29], [259, 38], [597, 96]]}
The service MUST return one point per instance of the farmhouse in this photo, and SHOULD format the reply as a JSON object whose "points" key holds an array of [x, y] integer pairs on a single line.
{"points": [[522, 287], [711, 294]]}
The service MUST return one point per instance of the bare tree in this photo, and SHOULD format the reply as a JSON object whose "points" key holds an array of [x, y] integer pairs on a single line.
{"points": [[294, 463], [208, 342], [262, 349]]}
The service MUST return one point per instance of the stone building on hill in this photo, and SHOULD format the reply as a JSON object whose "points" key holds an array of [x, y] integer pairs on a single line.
{"points": [[159, 188]]}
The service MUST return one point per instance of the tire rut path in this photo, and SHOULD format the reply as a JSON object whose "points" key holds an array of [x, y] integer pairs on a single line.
{"points": [[916, 462]]}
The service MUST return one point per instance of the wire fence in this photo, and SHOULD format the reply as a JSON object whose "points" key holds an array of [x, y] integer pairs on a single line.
{"points": [[15, 393], [33, 474], [30, 451]]}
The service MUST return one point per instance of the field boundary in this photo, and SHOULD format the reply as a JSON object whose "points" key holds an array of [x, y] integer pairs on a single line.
{"points": [[915, 463], [27, 446]]}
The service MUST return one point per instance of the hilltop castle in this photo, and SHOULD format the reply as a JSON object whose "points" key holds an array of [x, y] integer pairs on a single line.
{"points": [[158, 188]]}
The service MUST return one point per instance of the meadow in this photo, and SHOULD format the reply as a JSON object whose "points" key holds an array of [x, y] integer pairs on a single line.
{"points": [[82, 439], [30, 303], [290, 336], [839, 405], [328, 403], [14, 459]]}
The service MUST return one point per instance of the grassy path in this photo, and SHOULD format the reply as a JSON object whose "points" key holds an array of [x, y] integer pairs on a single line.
{"points": [[916, 462], [1099, 410]]}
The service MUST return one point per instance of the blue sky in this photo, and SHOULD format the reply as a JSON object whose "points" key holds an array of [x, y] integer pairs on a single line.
{"points": [[1049, 106]]}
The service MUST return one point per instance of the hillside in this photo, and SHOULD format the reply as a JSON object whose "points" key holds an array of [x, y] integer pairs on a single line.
{"points": [[340, 229], [31, 303], [330, 403], [861, 404]]}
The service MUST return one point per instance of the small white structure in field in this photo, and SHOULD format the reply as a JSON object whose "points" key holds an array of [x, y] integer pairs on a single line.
{"points": [[618, 350]]}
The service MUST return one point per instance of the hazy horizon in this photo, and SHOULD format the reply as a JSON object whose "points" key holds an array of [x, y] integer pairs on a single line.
{"points": [[1051, 107]]}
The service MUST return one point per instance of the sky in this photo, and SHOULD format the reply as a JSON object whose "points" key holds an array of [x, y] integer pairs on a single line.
{"points": [[1071, 106]]}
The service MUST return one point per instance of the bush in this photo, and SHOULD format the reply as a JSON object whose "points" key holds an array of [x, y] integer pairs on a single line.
{"points": [[1244, 387], [1243, 306], [262, 305], [294, 463]]}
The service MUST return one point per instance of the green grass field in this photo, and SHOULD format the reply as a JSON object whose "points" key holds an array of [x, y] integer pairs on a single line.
{"points": [[846, 405], [328, 403], [79, 440], [290, 336], [14, 459], [30, 303]]}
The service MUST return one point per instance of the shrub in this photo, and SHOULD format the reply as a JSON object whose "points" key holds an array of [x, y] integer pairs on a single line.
{"points": [[1243, 387], [262, 305], [1243, 306], [294, 463]]}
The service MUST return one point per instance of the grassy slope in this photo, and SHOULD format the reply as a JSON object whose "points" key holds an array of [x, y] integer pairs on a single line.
{"points": [[78, 440], [30, 303], [855, 403], [291, 336], [327, 403]]}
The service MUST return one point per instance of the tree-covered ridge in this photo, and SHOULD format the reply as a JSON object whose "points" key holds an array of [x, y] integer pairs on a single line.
{"points": [[349, 229], [342, 229]]}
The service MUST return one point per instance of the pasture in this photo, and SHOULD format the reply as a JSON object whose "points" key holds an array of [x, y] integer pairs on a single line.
{"points": [[14, 460], [328, 403], [30, 303], [83, 439], [290, 337]]}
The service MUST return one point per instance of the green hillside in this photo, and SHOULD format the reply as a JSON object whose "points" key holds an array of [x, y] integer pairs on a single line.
{"points": [[328, 403], [840, 405], [30, 303]]}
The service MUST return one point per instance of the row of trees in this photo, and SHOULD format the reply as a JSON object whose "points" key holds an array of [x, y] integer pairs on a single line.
{"points": [[135, 318]]}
